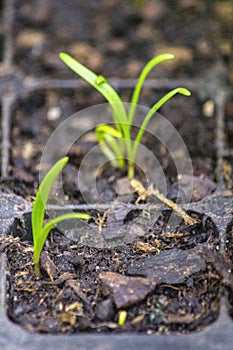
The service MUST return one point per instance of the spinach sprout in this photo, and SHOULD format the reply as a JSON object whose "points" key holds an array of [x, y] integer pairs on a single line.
{"points": [[39, 230], [118, 142]]}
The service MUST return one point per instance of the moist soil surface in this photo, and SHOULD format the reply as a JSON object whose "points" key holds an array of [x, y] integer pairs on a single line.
{"points": [[166, 280], [31, 131]]}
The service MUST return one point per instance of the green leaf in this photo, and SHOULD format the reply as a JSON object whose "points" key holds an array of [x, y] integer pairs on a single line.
{"points": [[107, 129], [110, 147], [48, 227], [40, 232], [100, 80], [152, 111], [41, 199], [109, 139], [142, 77], [100, 84]]}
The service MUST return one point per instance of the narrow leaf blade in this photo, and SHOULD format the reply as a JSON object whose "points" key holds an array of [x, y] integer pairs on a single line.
{"points": [[142, 77], [41, 199], [48, 227], [99, 83], [107, 129]]}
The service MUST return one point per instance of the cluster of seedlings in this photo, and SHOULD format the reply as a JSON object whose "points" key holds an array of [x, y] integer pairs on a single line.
{"points": [[116, 143]]}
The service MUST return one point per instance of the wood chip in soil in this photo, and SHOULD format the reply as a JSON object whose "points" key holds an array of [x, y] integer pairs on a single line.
{"points": [[127, 290]]}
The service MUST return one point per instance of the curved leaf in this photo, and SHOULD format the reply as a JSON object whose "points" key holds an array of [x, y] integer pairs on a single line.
{"points": [[48, 227], [152, 111], [142, 77], [42, 195]]}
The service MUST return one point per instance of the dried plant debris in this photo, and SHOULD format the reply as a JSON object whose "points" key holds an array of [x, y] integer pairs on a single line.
{"points": [[151, 191], [183, 237]]}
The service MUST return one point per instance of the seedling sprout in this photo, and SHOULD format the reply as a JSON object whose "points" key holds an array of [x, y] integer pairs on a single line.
{"points": [[116, 143], [39, 230]]}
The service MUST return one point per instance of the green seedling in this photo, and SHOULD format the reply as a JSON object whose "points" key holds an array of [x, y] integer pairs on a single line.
{"points": [[116, 143], [39, 230]]}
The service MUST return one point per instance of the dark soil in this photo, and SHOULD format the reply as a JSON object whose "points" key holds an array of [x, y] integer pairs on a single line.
{"points": [[32, 129], [74, 294], [166, 280]]}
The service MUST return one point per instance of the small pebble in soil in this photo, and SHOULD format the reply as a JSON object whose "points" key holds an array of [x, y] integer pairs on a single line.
{"points": [[208, 109], [105, 310], [54, 113]]}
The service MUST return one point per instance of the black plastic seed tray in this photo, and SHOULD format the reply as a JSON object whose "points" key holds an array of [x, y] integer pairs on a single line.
{"points": [[218, 206], [216, 336]]}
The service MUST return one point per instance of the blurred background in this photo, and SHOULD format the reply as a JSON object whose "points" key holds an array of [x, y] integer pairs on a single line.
{"points": [[115, 39]]}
